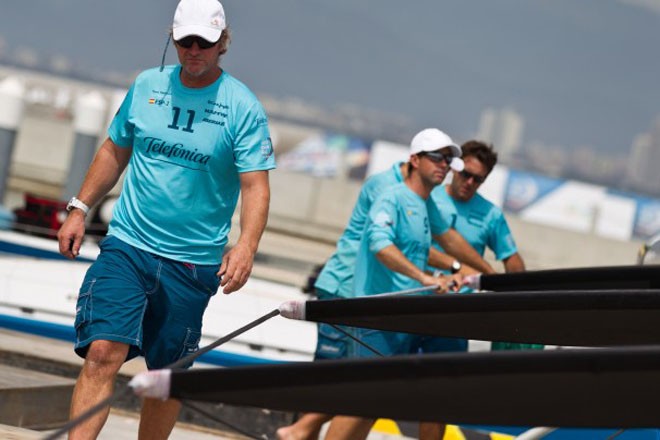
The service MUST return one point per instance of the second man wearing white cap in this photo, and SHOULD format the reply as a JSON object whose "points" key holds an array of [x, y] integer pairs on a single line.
{"points": [[432, 153]]}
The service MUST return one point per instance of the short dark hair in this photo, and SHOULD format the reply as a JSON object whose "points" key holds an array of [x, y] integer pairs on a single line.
{"points": [[482, 151]]}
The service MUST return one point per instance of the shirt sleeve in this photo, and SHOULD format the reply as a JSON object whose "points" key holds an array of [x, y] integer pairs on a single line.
{"points": [[122, 130], [253, 147], [500, 239], [381, 228]]}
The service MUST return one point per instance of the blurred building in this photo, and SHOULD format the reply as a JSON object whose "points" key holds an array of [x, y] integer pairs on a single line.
{"points": [[587, 164], [504, 129], [642, 171], [550, 160]]}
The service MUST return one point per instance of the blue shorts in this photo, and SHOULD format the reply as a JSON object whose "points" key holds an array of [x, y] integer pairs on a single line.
{"points": [[330, 342], [151, 303], [333, 344]]}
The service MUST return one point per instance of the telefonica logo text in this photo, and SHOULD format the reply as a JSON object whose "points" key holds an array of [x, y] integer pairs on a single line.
{"points": [[161, 147]]}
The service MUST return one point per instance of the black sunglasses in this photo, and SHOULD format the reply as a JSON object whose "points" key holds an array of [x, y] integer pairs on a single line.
{"points": [[187, 42], [438, 157], [467, 175]]}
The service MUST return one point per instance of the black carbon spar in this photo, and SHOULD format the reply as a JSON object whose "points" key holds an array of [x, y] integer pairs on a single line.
{"points": [[625, 312], [570, 388]]}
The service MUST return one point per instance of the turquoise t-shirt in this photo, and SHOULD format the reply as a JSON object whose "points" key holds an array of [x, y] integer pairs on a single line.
{"points": [[398, 217], [480, 222], [336, 278], [189, 146]]}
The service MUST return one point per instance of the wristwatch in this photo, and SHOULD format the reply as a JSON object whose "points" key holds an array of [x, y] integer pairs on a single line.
{"points": [[456, 266], [79, 204]]}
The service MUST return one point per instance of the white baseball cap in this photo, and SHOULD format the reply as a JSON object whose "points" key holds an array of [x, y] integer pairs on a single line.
{"points": [[432, 139], [204, 18]]}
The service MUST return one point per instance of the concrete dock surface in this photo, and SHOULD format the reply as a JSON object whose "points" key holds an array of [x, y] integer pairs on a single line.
{"points": [[124, 425], [54, 360], [49, 364]]}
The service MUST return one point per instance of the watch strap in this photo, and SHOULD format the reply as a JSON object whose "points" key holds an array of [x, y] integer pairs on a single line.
{"points": [[77, 203]]}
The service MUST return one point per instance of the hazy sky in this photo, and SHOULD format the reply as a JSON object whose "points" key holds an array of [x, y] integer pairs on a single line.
{"points": [[581, 72]]}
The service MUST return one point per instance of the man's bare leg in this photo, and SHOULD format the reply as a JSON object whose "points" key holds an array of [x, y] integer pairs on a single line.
{"points": [[96, 383], [431, 431], [349, 428], [158, 418], [308, 427]]}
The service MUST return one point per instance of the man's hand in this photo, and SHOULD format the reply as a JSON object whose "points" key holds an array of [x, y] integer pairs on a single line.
{"points": [[454, 282], [71, 234], [235, 268], [445, 283]]}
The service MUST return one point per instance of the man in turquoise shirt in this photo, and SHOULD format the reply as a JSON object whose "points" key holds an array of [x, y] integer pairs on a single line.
{"points": [[336, 278], [191, 138], [393, 256], [481, 222]]}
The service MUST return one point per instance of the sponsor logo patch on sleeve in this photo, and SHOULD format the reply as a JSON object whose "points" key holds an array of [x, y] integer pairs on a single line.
{"points": [[266, 148]]}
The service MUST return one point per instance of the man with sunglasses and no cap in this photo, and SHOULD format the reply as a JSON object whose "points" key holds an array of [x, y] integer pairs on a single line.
{"points": [[478, 220], [191, 137]]}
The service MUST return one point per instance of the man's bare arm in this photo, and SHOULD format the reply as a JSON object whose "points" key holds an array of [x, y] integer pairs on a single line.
{"points": [[443, 261], [514, 263], [455, 245], [104, 172], [255, 199], [392, 257]]}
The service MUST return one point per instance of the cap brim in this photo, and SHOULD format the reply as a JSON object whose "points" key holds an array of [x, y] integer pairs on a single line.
{"points": [[208, 33], [456, 150]]}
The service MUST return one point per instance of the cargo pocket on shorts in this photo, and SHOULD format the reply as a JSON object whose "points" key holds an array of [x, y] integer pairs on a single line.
{"points": [[190, 345], [84, 305], [331, 344]]}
